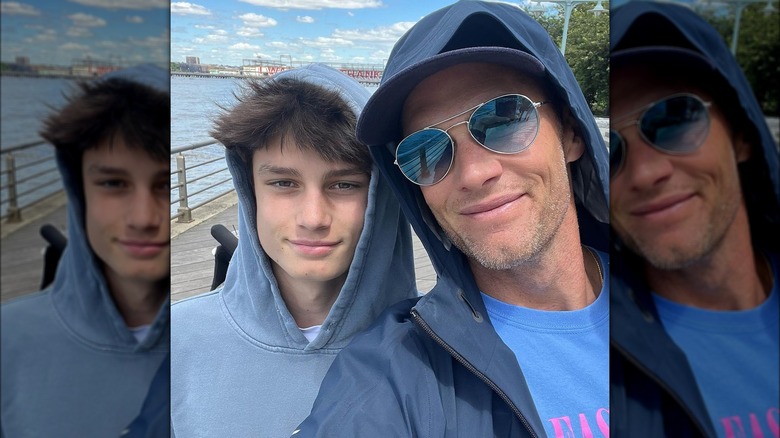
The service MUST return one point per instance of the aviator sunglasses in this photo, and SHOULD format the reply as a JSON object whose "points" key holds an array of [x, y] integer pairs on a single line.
{"points": [[676, 125], [506, 124]]}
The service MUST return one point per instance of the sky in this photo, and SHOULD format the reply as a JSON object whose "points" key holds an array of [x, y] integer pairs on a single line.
{"points": [[226, 32], [55, 32], [223, 32]]}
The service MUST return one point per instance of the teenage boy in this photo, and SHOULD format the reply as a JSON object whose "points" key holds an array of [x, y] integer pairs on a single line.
{"points": [[513, 339], [695, 198], [323, 249], [78, 357]]}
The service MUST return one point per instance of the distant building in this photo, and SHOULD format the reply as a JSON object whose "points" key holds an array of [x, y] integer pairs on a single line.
{"points": [[22, 61], [193, 60]]}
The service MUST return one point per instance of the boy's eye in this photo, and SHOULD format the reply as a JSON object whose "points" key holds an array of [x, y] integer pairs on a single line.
{"points": [[345, 185], [112, 183], [283, 183]]}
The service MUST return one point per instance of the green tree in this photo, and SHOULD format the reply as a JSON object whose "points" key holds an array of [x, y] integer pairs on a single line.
{"points": [[758, 50], [587, 52]]}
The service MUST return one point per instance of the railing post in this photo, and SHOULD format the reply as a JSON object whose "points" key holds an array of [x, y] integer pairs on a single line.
{"points": [[184, 209], [14, 214]]}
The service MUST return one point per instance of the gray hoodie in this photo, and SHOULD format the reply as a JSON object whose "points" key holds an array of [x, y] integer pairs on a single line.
{"points": [[70, 365], [240, 366]]}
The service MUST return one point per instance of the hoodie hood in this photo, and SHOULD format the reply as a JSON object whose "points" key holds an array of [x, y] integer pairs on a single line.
{"points": [[697, 49], [649, 28], [463, 28], [381, 272], [79, 291]]}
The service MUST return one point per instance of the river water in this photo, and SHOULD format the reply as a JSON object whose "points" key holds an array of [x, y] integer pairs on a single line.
{"points": [[195, 104]]}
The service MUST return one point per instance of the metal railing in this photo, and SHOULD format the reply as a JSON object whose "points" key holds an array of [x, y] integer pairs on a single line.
{"points": [[205, 177], [27, 177]]}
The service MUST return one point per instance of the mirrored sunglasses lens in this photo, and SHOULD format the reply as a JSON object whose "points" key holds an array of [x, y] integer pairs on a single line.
{"points": [[506, 124], [616, 149], [677, 125], [425, 156]]}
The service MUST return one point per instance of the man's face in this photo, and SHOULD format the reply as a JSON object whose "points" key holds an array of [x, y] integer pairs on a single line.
{"points": [[500, 210], [310, 212], [672, 210], [127, 217]]}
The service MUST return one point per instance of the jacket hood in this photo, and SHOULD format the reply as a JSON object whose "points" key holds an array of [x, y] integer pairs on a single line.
{"points": [[465, 27], [697, 49], [647, 27], [381, 272], [79, 291]]}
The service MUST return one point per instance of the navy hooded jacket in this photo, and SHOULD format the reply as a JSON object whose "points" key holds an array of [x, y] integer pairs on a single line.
{"points": [[435, 366], [653, 390]]}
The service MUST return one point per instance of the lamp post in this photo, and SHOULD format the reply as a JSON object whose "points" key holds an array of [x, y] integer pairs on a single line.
{"points": [[739, 5], [568, 6]]}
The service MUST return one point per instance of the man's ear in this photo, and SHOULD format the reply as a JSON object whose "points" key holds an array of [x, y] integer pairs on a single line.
{"points": [[743, 149], [573, 144]]}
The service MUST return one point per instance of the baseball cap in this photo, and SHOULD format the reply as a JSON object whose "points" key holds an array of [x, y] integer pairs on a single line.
{"points": [[465, 32]]}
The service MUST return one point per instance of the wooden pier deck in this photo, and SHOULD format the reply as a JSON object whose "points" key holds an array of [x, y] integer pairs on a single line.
{"points": [[21, 261], [192, 263]]}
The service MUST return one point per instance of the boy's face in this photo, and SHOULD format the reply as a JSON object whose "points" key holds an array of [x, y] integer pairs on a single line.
{"points": [[310, 212], [126, 195]]}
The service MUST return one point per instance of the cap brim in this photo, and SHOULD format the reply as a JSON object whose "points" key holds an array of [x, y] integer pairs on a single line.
{"points": [[684, 61], [380, 121]]}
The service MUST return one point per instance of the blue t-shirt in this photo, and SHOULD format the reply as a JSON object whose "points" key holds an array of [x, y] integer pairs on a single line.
{"points": [[564, 356], [735, 360]]}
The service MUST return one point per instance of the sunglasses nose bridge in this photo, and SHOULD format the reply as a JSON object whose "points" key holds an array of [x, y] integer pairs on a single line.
{"points": [[462, 122]]}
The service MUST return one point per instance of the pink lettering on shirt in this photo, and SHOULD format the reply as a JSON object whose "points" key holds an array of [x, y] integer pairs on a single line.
{"points": [[734, 427], [562, 427]]}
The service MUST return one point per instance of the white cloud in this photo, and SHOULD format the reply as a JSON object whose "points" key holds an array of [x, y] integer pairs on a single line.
{"points": [[85, 20], [243, 46], [135, 19], [203, 26], [16, 8], [214, 37], [282, 45], [45, 35], [124, 4], [329, 55], [261, 55], [152, 42], [249, 32], [185, 8], [304, 19], [316, 4], [256, 20], [220, 32], [325, 42], [73, 46], [350, 13], [388, 34], [78, 32]]}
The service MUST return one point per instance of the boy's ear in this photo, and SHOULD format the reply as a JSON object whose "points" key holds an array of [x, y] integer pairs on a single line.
{"points": [[573, 144]]}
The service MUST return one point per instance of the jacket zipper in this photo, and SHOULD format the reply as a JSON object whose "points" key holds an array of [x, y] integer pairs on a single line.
{"points": [[664, 386], [427, 329]]}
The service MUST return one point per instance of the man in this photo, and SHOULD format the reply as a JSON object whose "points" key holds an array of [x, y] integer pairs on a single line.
{"points": [[512, 341], [694, 196], [323, 248], [78, 358]]}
